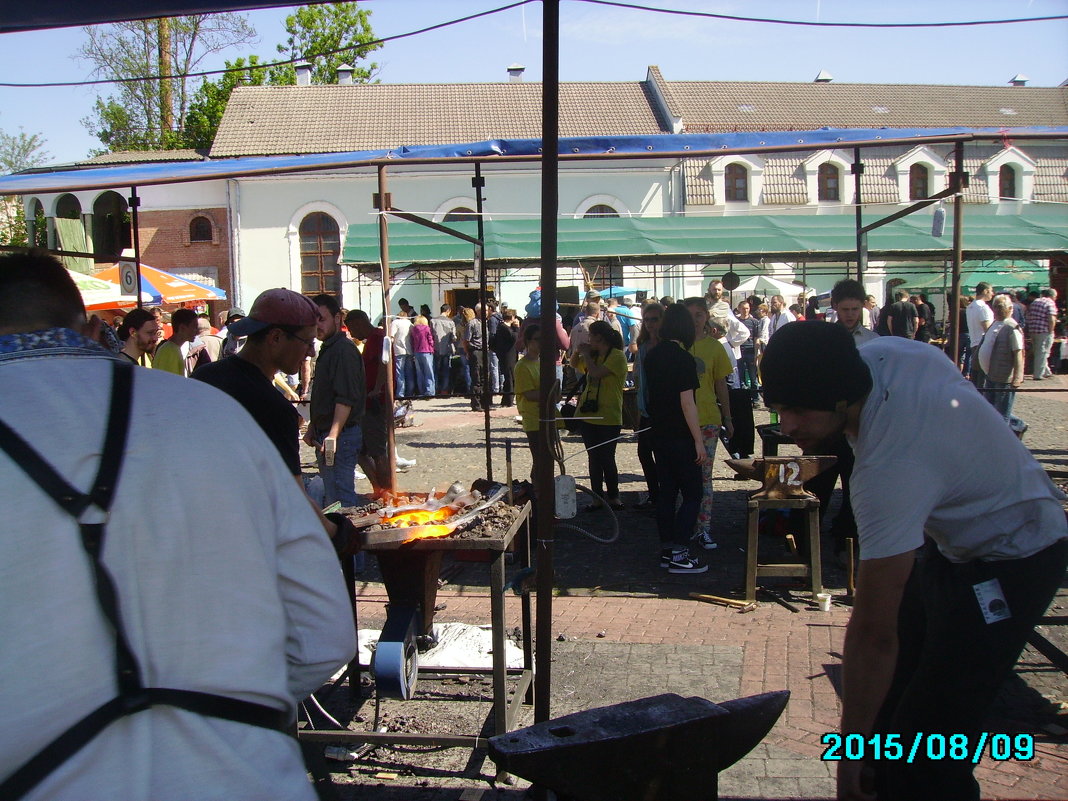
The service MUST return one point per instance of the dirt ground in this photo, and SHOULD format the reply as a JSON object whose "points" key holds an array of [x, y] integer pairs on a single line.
{"points": [[449, 446]]}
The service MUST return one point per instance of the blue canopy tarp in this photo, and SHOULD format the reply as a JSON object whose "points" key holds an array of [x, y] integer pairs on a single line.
{"points": [[65, 179]]}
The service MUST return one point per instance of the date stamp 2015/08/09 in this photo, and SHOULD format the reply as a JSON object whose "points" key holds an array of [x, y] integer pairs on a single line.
{"points": [[959, 747]]}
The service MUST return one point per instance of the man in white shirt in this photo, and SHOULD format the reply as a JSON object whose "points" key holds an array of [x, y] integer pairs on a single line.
{"points": [[1002, 358], [403, 362], [933, 634], [979, 317], [779, 316], [847, 301], [251, 608], [719, 308]]}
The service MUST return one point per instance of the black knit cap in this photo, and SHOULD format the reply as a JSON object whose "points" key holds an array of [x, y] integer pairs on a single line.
{"points": [[814, 365]]}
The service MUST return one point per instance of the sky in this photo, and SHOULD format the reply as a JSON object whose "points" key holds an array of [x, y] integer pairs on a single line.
{"points": [[603, 43]]}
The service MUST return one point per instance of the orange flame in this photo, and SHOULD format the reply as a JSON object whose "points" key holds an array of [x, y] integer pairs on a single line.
{"points": [[428, 532], [419, 516]]}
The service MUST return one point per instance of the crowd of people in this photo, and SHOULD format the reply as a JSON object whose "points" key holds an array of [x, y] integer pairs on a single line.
{"points": [[962, 571]]}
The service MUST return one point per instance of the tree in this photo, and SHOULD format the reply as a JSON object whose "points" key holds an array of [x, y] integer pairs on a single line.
{"points": [[321, 29], [210, 99], [21, 151], [12, 222], [312, 31], [151, 114], [17, 152]]}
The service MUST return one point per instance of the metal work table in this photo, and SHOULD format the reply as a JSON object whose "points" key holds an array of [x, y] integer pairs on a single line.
{"points": [[504, 713]]}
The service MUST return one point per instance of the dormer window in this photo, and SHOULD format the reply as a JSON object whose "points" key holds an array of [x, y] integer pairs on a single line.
{"points": [[919, 182], [1010, 175], [736, 188], [1007, 182], [828, 180]]}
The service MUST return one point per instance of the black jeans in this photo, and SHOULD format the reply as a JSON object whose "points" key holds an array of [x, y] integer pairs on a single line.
{"points": [[647, 460], [741, 407], [677, 472], [506, 362], [603, 471], [951, 662]]}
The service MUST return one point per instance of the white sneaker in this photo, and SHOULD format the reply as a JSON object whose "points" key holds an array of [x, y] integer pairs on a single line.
{"points": [[406, 463]]}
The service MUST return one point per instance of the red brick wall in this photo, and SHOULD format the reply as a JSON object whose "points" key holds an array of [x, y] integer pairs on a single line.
{"points": [[165, 243]]}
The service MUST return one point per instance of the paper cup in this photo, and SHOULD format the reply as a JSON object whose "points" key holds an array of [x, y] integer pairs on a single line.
{"points": [[824, 600]]}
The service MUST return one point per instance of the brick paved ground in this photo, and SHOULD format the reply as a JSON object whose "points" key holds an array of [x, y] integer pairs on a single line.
{"points": [[655, 639]]}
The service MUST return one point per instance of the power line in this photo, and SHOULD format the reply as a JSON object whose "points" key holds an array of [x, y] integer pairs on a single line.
{"points": [[269, 65], [734, 18], [468, 18]]}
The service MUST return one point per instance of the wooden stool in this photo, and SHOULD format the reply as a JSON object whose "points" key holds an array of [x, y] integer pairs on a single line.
{"points": [[754, 568]]}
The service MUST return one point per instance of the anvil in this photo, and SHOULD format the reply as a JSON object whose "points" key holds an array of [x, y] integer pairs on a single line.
{"points": [[782, 476]]}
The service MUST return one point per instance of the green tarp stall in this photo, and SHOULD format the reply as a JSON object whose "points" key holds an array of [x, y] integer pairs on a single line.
{"points": [[1035, 232], [1000, 274]]}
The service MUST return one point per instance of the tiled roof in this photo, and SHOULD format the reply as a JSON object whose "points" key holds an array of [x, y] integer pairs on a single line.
{"points": [[1050, 183], [700, 188], [268, 120], [723, 106], [141, 156], [784, 181]]}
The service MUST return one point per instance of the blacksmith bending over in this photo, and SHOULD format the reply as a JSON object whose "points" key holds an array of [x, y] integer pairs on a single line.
{"points": [[961, 553]]}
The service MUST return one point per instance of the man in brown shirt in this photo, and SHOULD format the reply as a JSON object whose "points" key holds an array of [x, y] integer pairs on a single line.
{"points": [[338, 397]]}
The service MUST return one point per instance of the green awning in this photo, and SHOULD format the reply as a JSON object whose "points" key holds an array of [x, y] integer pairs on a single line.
{"points": [[1037, 232], [999, 279]]}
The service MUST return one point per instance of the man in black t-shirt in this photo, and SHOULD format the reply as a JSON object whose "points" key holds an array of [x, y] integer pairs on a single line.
{"points": [[280, 333], [903, 319], [678, 444]]}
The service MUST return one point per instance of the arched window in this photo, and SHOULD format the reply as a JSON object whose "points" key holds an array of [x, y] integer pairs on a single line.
{"points": [[460, 214], [40, 225], [69, 207], [918, 180], [200, 229], [828, 182], [600, 210], [320, 247], [1007, 182], [736, 183], [111, 226]]}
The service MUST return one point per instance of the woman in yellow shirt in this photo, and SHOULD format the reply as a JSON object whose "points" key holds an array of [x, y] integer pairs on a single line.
{"points": [[601, 404], [713, 407]]}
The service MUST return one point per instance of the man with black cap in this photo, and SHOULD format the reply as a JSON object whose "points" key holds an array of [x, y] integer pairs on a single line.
{"points": [[231, 343], [957, 563]]}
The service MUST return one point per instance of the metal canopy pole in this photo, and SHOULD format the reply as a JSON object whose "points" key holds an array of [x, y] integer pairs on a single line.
{"points": [[958, 181], [480, 264], [543, 465], [383, 202], [135, 201], [862, 249]]}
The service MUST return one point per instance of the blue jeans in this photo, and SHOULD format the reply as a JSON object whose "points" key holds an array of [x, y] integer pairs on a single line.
{"points": [[464, 387], [443, 372], [339, 479], [424, 374], [1002, 396], [747, 371], [494, 374], [403, 376]]}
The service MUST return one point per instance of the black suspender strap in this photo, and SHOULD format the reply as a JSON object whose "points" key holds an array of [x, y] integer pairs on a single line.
{"points": [[133, 696]]}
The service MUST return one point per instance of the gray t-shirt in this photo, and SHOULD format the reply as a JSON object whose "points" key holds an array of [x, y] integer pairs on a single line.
{"points": [[934, 457]]}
